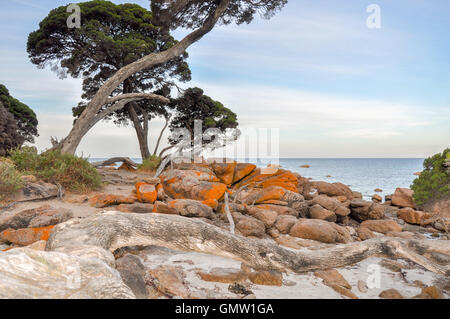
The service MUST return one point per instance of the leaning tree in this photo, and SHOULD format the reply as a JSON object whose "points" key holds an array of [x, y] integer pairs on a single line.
{"points": [[9, 131], [111, 36], [198, 15]]}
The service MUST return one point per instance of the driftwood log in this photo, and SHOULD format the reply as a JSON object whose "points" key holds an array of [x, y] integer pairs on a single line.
{"points": [[115, 160], [113, 230]]}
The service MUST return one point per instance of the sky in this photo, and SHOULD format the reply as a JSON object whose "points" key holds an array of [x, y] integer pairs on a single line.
{"points": [[332, 86]]}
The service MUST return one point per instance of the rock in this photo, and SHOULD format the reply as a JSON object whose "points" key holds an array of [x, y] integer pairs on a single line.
{"points": [[288, 241], [266, 278], [163, 208], [412, 216], [441, 258], [169, 280], [342, 211], [404, 235], [36, 191], [284, 223], [106, 200], [152, 180], [37, 217], [132, 272], [223, 275], [382, 226], [281, 210], [263, 178], [126, 167], [191, 208], [146, 193], [268, 217], [403, 197], [76, 199], [431, 292], [320, 230], [378, 190], [377, 198], [357, 195], [213, 203], [189, 184], [242, 170], [265, 194], [365, 233], [26, 236], [388, 198], [136, 208], [305, 166], [224, 171], [334, 189], [251, 227], [390, 294], [273, 232], [391, 210], [318, 212], [362, 287], [336, 281], [239, 289], [30, 274], [363, 210], [326, 202], [391, 265], [39, 245]]}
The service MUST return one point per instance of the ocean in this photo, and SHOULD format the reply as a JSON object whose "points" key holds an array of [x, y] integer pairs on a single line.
{"points": [[361, 174]]}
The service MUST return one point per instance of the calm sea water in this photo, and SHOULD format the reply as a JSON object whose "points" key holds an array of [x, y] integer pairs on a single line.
{"points": [[362, 175]]}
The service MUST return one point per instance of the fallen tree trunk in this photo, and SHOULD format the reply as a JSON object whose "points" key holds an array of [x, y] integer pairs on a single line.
{"points": [[115, 160], [114, 230]]}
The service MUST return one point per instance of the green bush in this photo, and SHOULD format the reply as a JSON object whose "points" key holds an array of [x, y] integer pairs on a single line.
{"points": [[73, 173], [150, 164], [10, 181], [434, 182]]}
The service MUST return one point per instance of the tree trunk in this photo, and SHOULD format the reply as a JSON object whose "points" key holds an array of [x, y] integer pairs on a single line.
{"points": [[107, 232], [141, 133], [85, 122]]}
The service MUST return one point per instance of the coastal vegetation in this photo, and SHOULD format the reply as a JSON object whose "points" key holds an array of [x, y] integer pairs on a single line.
{"points": [[71, 172], [434, 182], [10, 181], [150, 164]]}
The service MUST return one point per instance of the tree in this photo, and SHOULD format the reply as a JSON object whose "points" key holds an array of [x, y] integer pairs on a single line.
{"points": [[111, 36], [199, 16], [24, 116], [9, 132], [434, 182], [193, 106]]}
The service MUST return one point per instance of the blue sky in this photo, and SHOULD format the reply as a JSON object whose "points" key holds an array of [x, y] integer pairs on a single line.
{"points": [[333, 87]]}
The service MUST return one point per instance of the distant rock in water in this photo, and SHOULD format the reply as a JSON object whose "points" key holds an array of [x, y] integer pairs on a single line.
{"points": [[305, 166]]}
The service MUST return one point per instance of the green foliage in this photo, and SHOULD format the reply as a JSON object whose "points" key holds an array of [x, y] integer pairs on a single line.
{"points": [[73, 173], [434, 182], [25, 117], [194, 105], [10, 137], [10, 181], [111, 36], [150, 164]]}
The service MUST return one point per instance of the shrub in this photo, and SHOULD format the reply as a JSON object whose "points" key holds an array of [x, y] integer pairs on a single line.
{"points": [[73, 173], [150, 164], [10, 181], [434, 182]]}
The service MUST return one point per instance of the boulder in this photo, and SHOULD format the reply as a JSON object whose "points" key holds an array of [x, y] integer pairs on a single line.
{"points": [[263, 178], [106, 200], [30, 274], [377, 198], [223, 275], [365, 233], [191, 208], [268, 217], [146, 193], [333, 279], [224, 171], [136, 208], [251, 227], [403, 197], [362, 210], [259, 196], [284, 223], [342, 211], [320, 230], [169, 281], [132, 272], [382, 226], [163, 208], [334, 189], [25, 236], [189, 184], [37, 217], [213, 203], [390, 294], [36, 191], [281, 210], [318, 212], [242, 170], [412, 216], [266, 278], [326, 202]]}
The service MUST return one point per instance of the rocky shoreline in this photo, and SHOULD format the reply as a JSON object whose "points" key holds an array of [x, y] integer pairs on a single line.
{"points": [[220, 230]]}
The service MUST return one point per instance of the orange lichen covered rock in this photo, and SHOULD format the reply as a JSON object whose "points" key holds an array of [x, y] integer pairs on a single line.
{"points": [[189, 184], [242, 170], [146, 193], [26, 236], [263, 178], [213, 203], [105, 200], [224, 171], [163, 208]]}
